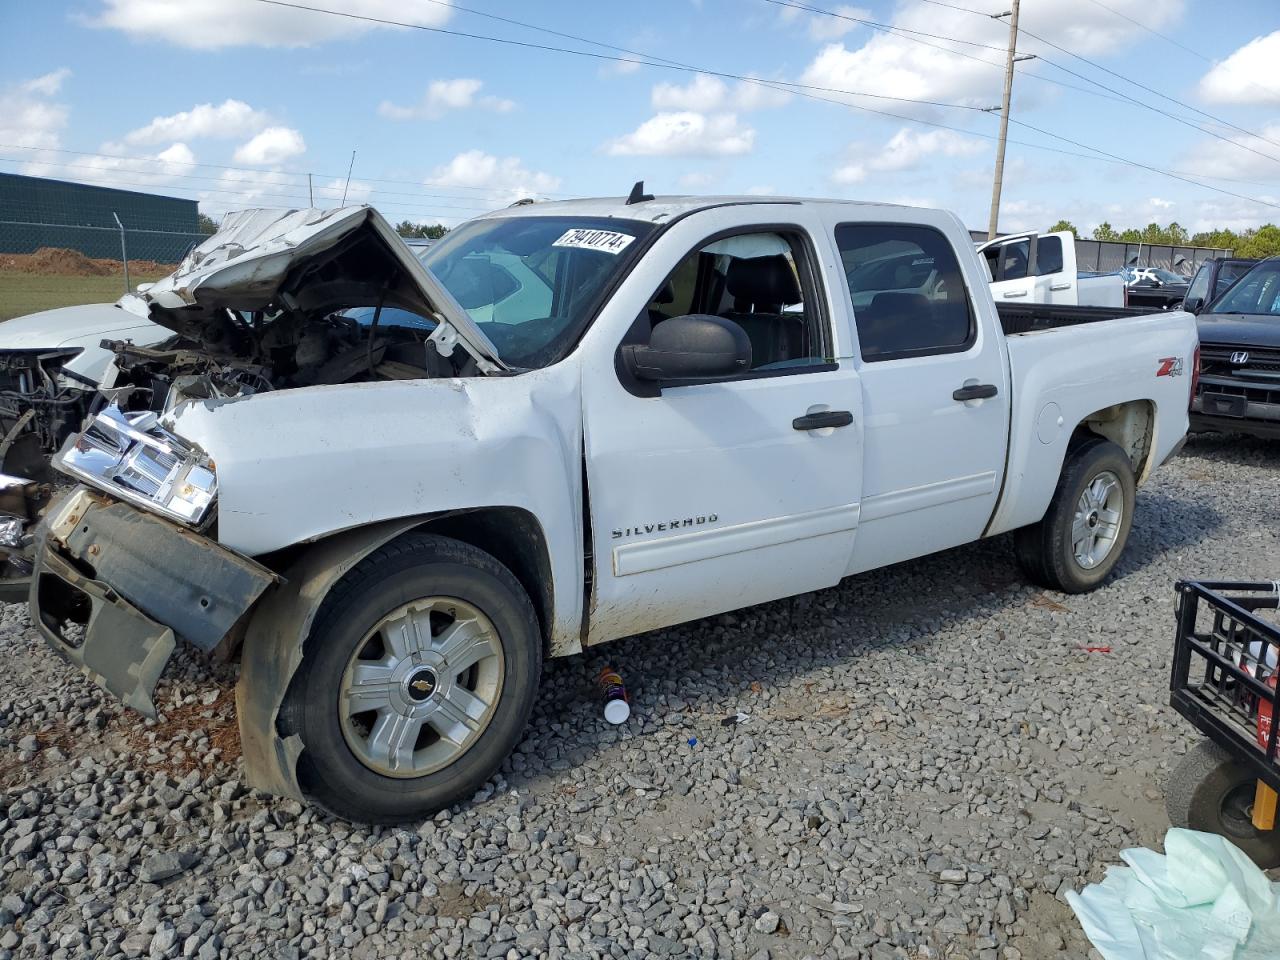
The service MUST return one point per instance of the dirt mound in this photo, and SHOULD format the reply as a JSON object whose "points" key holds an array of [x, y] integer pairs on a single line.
{"points": [[60, 262]]}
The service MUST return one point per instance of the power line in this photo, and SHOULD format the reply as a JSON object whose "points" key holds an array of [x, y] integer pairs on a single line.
{"points": [[253, 196], [282, 173], [250, 181], [1139, 23], [1136, 83], [907, 33], [1168, 39], [661, 64]]}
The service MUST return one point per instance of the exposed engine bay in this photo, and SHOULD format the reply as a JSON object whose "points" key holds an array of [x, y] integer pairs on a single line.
{"points": [[345, 314], [39, 408]]}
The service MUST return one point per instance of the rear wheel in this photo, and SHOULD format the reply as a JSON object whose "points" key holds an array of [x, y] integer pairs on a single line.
{"points": [[416, 682], [1080, 539], [1209, 791]]}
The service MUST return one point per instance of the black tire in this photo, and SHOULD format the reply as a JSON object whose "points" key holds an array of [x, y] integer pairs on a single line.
{"points": [[1211, 792], [406, 570], [1045, 550]]}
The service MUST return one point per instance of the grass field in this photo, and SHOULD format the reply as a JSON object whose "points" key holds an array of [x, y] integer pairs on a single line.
{"points": [[23, 293]]}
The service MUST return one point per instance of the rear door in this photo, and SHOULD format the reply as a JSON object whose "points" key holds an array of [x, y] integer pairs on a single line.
{"points": [[935, 395], [1036, 268], [710, 496]]}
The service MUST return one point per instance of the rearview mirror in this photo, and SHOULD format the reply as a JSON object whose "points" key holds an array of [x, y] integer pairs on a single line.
{"points": [[1193, 304], [693, 347]]}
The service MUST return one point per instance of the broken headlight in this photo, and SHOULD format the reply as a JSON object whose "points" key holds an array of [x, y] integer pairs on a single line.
{"points": [[133, 457]]}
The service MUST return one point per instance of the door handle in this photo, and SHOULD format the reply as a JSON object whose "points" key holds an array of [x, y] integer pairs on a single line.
{"points": [[978, 391], [826, 418], [1010, 294], [1059, 286]]}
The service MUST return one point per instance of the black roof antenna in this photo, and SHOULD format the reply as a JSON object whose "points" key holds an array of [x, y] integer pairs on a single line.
{"points": [[638, 195]]}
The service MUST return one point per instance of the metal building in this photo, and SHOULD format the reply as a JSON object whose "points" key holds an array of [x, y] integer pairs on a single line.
{"points": [[37, 212]]}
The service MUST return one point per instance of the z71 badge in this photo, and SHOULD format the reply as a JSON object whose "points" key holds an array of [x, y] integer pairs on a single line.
{"points": [[1170, 367]]}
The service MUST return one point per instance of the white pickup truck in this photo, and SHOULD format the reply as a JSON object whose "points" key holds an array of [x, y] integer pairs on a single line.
{"points": [[1041, 268], [585, 420]]}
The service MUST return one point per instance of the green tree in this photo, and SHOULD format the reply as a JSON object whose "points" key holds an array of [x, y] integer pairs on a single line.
{"points": [[1227, 239], [421, 231], [1132, 235], [205, 225], [1062, 225], [1263, 242], [1105, 231], [1176, 234]]}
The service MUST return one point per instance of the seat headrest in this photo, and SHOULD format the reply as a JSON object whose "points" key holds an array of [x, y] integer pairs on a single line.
{"points": [[763, 280], [893, 302]]}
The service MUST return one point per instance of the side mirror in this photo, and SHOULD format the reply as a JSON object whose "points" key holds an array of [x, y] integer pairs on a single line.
{"points": [[694, 347], [1193, 304]]}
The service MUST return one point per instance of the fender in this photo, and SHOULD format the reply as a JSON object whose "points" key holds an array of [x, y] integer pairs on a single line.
{"points": [[273, 645]]}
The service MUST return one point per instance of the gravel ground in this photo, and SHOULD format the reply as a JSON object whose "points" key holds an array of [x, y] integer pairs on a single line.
{"points": [[931, 761]]}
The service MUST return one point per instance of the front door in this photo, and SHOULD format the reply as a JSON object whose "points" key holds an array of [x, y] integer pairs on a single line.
{"points": [[935, 398], [711, 496]]}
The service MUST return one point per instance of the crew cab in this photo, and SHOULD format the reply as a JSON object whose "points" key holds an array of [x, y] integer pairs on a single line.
{"points": [[1041, 268], [591, 419], [1239, 384]]}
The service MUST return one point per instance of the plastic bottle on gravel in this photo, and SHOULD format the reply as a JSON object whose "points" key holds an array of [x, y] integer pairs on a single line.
{"points": [[617, 705]]}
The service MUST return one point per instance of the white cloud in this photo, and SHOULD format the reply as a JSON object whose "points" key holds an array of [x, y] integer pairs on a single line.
{"points": [[28, 117], [1247, 76], [763, 190], [1214, 158], [893, 65], [231, 118], [211, 24], [904, 151], [443, 96], [47, 85], [506, 177], [273, 145], [823, 28], [707, 94], [685, 134], [105, 168]]}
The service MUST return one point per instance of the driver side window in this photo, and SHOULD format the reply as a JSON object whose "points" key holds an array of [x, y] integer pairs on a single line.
{"points": [[762, 282]]}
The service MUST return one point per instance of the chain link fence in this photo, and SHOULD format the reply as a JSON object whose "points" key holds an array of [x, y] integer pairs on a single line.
{"points": [[46, 265]]}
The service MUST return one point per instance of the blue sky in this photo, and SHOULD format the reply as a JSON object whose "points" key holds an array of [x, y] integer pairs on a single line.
{"points": [[235, 101]]}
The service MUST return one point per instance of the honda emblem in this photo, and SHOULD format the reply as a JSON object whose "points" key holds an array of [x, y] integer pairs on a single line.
{"points": [[1240, 357]]}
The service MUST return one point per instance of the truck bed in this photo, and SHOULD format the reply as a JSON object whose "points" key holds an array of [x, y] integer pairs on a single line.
{"points": [[1030, 317]]}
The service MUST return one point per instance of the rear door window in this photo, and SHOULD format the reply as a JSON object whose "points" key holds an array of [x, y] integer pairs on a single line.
{"points": [[907, 290]]}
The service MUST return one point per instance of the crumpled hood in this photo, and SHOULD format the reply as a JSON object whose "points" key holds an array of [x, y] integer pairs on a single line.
{"points": [[263, 257], [1246, 330], [78, 326]]}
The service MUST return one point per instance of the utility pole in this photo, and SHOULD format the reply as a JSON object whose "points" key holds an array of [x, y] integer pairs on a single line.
{"points": [[311, 197], [1010, 60]]}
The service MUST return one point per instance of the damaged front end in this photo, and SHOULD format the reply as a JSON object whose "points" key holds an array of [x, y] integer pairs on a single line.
{"points": [[114, 587], [41, 404]]}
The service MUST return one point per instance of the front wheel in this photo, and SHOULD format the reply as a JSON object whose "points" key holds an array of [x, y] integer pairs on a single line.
{"points": [[1080, 539], [1209, 791], [416, 682]]}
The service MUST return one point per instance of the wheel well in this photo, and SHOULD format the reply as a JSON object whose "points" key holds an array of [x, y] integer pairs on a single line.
{"points": [[514, 538], [1129, 425]]}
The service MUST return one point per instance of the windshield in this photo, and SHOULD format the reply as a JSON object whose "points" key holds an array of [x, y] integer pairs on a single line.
{"points": [[1167, 276], [1258, 291], [531, 284]]}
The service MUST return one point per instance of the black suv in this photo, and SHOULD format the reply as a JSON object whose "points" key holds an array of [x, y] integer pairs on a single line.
{"points": [[1239, 388]]}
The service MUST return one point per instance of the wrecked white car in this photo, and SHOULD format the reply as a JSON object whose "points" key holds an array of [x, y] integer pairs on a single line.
{"points": [[583, 420], [51, 366]]}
